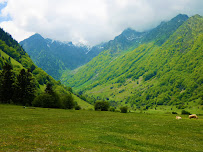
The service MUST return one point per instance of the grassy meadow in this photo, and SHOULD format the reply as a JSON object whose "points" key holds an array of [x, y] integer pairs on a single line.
{"points": [[42, 129]]}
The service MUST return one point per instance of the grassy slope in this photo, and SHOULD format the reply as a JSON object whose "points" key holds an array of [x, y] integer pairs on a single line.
{"points": [[82, 103], [63, 130], [179, 60], [13, 62]]}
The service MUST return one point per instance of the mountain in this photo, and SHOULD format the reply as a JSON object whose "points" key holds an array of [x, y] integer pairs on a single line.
{"points": [[165, 68], [130, 38], [11, 52], [20, 79], [39, 51], [125, 40], [54, 56]]}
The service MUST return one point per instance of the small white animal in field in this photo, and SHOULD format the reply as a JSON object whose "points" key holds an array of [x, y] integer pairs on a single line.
{"points": [[178, 117], [193, 116]]}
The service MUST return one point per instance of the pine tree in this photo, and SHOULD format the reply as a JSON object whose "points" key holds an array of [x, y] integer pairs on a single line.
{"points": [[6, 84], [49, 89], [25, 88], [53, 100]]}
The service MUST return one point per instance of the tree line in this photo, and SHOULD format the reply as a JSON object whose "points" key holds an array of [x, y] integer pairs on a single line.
{"points": [[22, 89]]}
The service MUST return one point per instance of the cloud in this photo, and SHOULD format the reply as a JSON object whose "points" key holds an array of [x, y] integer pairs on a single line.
{"points": [[17, 33], [90, 21], [2, 1]]}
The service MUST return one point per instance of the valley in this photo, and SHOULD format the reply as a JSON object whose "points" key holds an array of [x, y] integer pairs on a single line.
{"points": [[88, 76], [159, 67]]}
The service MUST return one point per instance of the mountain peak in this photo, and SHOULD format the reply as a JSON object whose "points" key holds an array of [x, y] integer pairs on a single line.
{"points": [[36, 36], [196, 16], [128, 30], [180, 17]]}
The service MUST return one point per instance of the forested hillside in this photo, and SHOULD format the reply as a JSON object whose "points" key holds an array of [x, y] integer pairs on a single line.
{"points": [[54, 57], [23, 83], [164, 69]]}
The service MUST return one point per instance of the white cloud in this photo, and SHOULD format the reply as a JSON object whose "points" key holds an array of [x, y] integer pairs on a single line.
{"points": [[3, 1], [90, 21], [17, 33]]}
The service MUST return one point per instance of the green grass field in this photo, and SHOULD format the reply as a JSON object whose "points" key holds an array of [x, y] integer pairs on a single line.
{"points": [[24, 129]]}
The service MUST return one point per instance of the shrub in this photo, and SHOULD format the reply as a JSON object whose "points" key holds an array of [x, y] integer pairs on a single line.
{"points": [[68, 101], [101, 105], [37, 102], [112, 109], [149, 75], [184, 112], [200, 101], [77, 107], [47, 101], [124, 109], [180, 107]]}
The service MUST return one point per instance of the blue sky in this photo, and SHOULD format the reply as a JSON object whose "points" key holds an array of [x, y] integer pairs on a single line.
{"points": [[88, 21], [1, 17]]}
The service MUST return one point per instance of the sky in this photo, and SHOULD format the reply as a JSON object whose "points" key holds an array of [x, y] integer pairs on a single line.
{"points": [[88, 21]]}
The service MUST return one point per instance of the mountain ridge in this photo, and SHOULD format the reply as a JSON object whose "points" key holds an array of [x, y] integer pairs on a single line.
{"points": [[56, 56], [150, 75], [158, 34], [62, 56]]}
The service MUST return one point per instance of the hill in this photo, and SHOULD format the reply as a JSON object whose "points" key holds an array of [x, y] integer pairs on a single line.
{"points": [[18, 72], [54, 57], [164, 70]]}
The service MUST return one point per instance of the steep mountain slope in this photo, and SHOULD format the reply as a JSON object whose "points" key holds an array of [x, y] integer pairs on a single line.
{"points": [[152, 74], [55, 56], [130, 39], [12, 53], [39, 51]]}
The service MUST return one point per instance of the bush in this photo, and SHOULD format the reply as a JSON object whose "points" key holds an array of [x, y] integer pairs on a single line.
{"points": [[77, 107], [174, 112], [180, 107], [149, 75], [68, 101], [90, 109], [112, 109], [37, 102], [124, 109], [101, 105], [184, 112], [47, 101]]}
